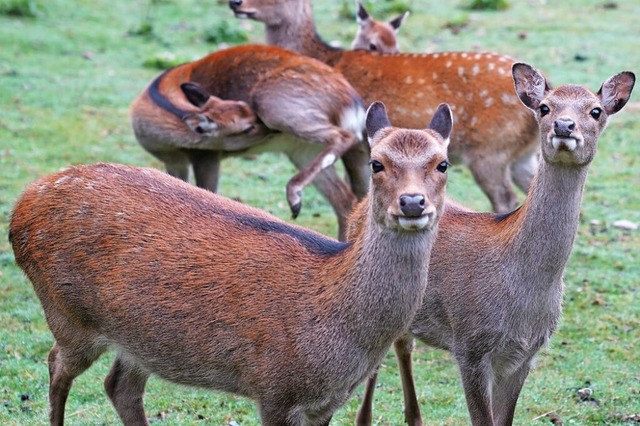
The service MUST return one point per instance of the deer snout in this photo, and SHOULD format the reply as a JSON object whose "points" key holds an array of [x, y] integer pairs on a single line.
{"points": [[416, 212], [564, 127], [235, 3], [412, 205]]}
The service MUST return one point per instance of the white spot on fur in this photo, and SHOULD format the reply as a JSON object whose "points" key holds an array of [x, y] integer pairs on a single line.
{"points": [[445, 86], [508, 99], [328, 160], [436, 55], [475, 70], [477, 56], [353, 120], [408, 80], [491, 66], [488, 102], [502, 59], [460, 71], [448, 64], [501, 71], [474, 121], [483, 93], [421, 81], [60, 181], [434, 75], [464, 55]]}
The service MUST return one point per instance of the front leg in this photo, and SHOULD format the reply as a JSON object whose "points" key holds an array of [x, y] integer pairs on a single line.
{"points": [[477, 376], [505, 395], [404, 348]]}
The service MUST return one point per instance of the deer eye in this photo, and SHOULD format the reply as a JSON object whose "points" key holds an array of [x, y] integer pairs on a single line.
{"points": [[373, 47], [595, 113], [442, 167], [544, 110], [376, 166]]}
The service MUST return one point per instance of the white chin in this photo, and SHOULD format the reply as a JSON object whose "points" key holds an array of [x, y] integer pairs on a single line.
{"points": [[569, 143], [413, 223]]}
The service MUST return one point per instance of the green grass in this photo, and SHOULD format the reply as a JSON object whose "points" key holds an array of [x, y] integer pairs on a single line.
{"points": [[69, 71]]}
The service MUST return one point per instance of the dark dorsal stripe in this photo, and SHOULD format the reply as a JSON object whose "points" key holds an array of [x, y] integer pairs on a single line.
{"points": [[161, 100]]}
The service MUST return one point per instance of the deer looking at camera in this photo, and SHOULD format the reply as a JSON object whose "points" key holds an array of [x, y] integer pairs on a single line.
{"points": [[494, 294], [208, 292], [274, 100], [496, 137], [374, 35]]}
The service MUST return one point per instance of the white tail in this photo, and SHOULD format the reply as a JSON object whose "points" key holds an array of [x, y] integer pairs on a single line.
{"points": [[374, 35], [496, 137], [275, 100], [205, 291], [494, 294]]}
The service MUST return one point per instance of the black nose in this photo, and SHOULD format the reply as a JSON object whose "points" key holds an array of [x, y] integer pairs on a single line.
{"points": [[412, 205], [234, 3], [563, 128]]}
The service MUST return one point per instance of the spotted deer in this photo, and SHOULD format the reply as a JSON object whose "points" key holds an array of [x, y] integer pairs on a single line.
{"points": [[494, 292], [496, 137], [274, 100], [374, 35], [204, 291]]}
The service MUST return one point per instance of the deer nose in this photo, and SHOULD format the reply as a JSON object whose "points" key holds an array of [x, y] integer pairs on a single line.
{"points": [[234, 3], [563, 128], [412, 205]]}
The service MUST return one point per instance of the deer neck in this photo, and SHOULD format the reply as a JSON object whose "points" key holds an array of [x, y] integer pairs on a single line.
{"points": [[388, 281], [300, 35], [549, 217]]}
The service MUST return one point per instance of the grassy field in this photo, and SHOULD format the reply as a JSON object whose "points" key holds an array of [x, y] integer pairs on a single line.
{"points": [[69, 69]]}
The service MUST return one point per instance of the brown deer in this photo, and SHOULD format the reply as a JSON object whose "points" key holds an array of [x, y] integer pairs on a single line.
{"points": [[275, 100], [208, 292], [495, 286], [374, 35], [496, 137]]}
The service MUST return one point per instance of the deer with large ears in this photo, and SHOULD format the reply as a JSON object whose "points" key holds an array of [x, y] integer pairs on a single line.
{"points": [[374, 35], [496, 137], [208, 292], [253, 99], [494, 294]]}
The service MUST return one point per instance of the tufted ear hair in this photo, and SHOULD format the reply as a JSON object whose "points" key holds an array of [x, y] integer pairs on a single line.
{"points": [[531, 85], [616, 91]]}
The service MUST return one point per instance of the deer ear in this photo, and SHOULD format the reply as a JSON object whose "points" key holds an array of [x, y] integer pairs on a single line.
{"points": [[195, 93], [362, 16], [397, 22], [616, 91], [200, 124], [531, 86], [442, 122], [376, 119]]}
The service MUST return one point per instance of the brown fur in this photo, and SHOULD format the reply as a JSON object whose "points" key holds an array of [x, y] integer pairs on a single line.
{"points": [[495, 136], [495, 286], [207, 292], [283, 102]]}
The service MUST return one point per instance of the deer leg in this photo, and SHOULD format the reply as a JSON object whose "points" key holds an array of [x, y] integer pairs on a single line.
{"points": [[206, 168], [336, 142], [495, 182], [505, 395], [476, 375], [404, 347], [334, 189], [524, 169], [65, 364], [364, 417], [274, 414], [176, 163], [356, 163], [125, 387]]}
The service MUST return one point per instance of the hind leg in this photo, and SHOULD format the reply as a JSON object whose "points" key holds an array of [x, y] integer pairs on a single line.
{"points": [[524, 169], [494, 178], [65, 364], [125, 386]]}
